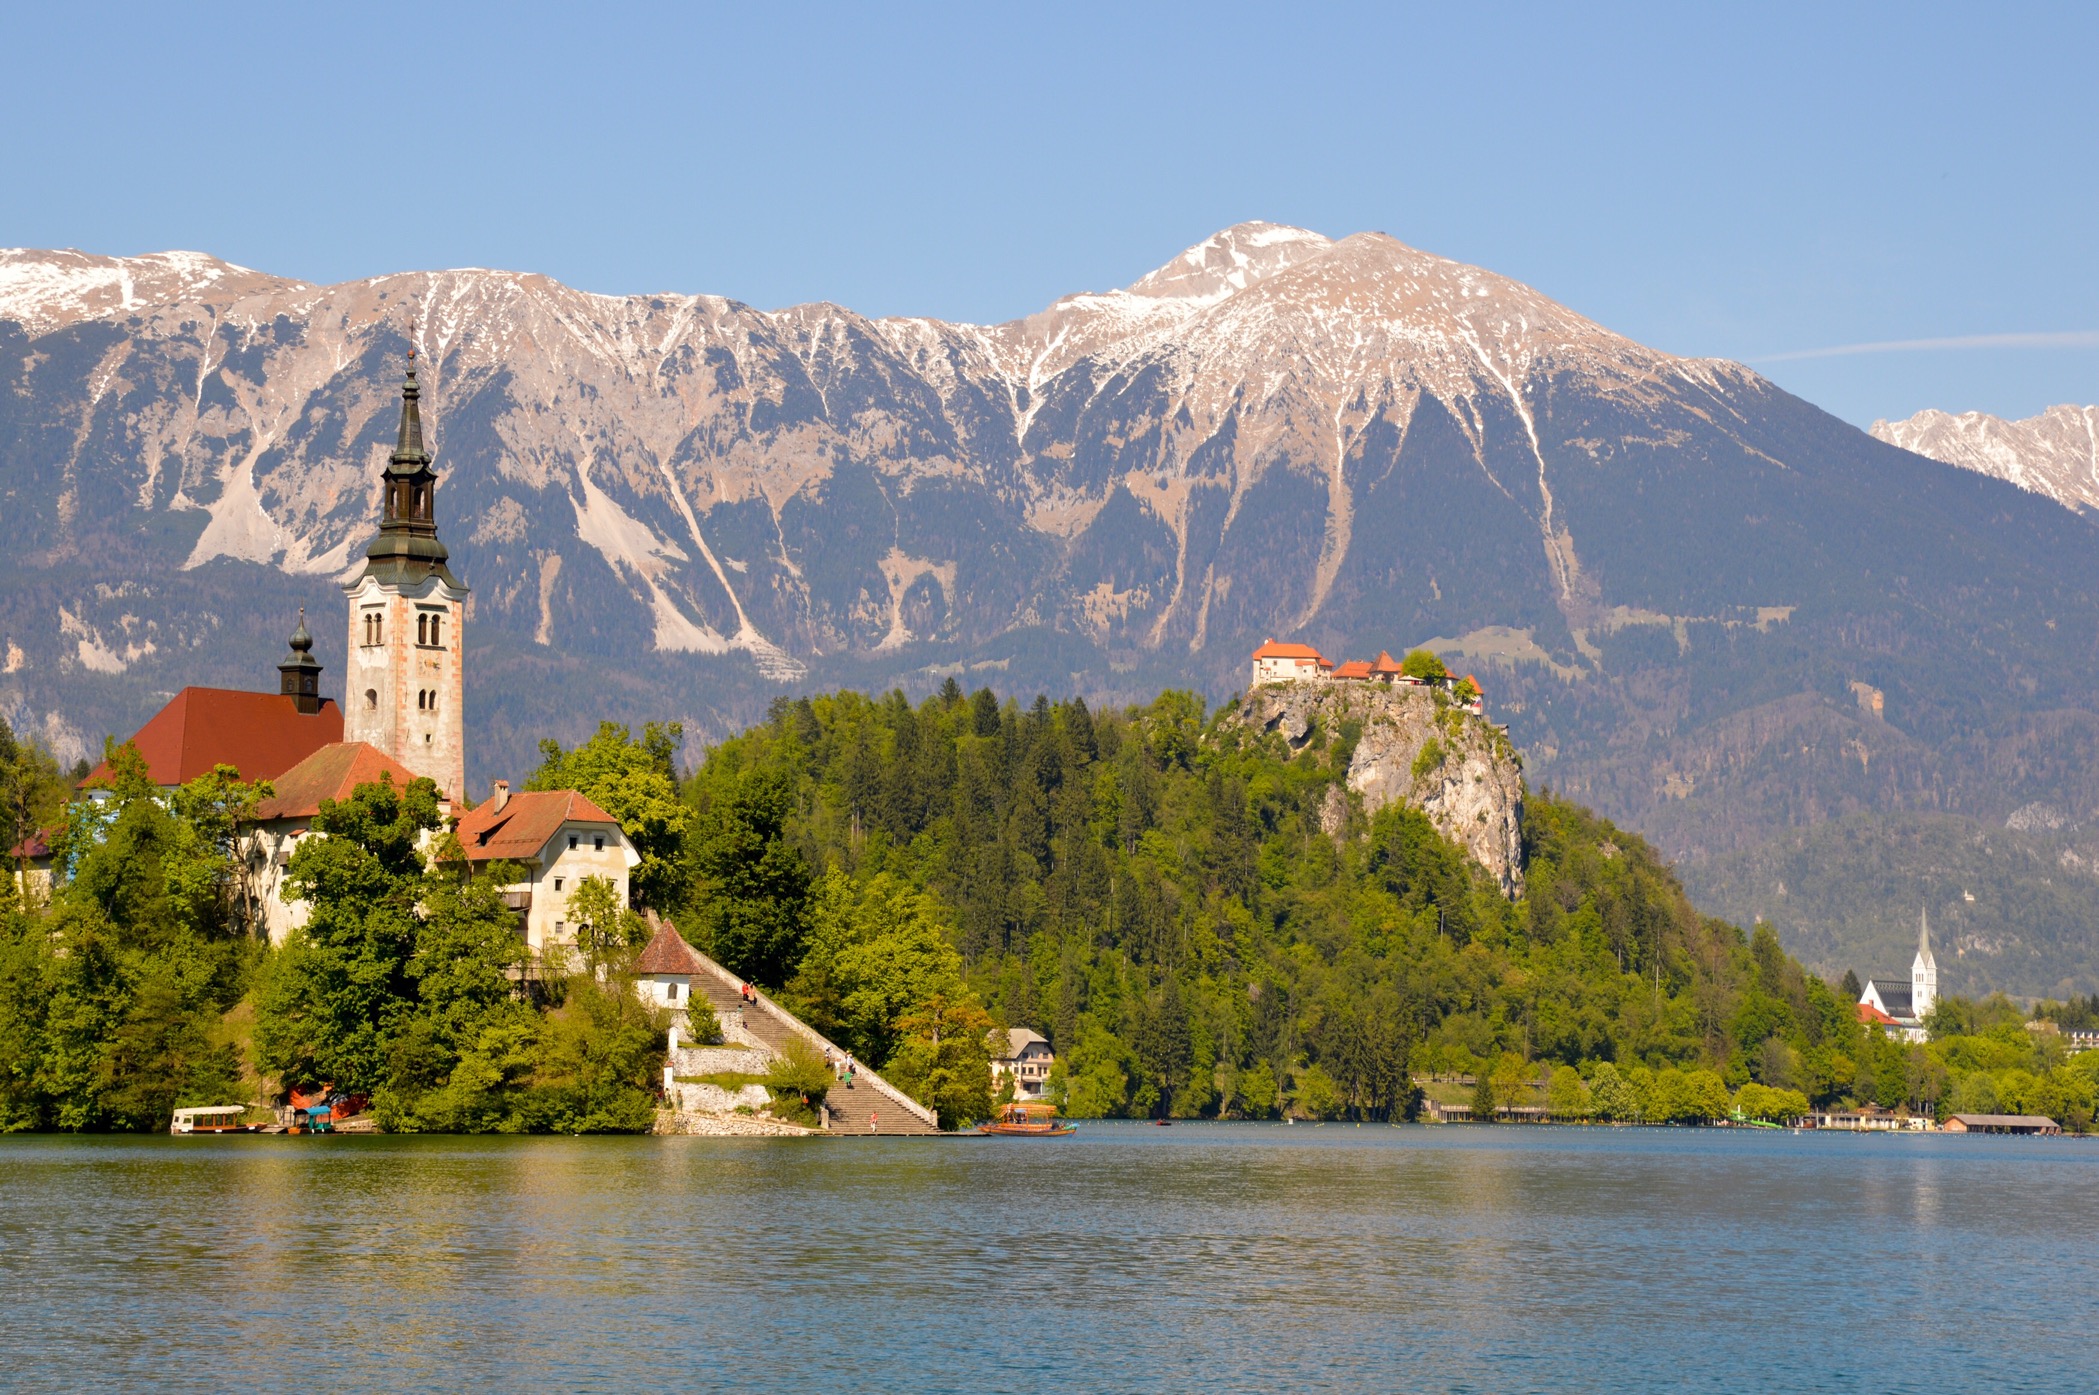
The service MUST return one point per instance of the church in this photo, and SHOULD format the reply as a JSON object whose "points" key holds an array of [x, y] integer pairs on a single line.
{"points": [[403, 715], [1901, 1008]]}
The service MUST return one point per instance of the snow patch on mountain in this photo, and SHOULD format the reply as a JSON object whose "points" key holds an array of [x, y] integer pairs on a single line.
{"points": [[2055, 453]]}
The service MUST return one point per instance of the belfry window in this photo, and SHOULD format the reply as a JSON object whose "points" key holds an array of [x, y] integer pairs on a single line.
{"points": [[437, 629], [422, 629]]}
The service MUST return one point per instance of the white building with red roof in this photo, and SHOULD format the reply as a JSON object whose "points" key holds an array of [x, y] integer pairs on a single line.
{"points": [[664, 973], [558, 837], [1281, 662], [332, 773]]}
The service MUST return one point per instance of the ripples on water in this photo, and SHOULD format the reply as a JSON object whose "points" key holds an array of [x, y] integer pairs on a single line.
{"points": [[1203, 1257]]}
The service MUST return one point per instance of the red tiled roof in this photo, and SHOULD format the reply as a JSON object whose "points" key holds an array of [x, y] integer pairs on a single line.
{"points": [[1873, 1016], [262, 735], [36, 845], [1274, 650], [1385, 663], [667, 953], [1354, 668], [332, 772], [524, 824]]}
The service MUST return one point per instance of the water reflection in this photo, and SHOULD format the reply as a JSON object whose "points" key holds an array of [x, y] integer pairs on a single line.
{"points": [[1220, 1258]]}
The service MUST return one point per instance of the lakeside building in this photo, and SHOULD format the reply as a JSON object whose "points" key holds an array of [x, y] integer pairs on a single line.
{"points": [[1870, 1119], [559, 837], [1025, 1057], [1899, 1008], [2031, 1124]]}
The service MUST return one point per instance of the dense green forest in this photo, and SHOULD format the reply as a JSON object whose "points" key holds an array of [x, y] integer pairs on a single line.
{"points": [[1152, 889]]}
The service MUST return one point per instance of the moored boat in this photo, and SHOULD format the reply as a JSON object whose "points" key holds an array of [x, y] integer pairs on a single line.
{"points": [[211, 1118], [1028, 1119]]}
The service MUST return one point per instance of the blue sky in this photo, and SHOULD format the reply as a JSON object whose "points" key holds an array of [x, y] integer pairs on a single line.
{"points": [[1730, 180]]}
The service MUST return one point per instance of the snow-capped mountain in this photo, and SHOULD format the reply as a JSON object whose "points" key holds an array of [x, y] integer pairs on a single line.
{"points": [[2055, 453], [1675, 580]]}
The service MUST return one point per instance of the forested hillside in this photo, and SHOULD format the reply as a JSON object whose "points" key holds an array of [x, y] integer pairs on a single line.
{"points": [[1155, 893], [1192, 908]]}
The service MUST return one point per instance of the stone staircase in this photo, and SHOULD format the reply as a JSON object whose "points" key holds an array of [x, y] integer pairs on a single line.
{"points": [[892, 1112]]}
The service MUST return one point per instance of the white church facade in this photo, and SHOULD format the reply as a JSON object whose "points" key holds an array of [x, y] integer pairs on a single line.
{"points": [[1902, 1008]]}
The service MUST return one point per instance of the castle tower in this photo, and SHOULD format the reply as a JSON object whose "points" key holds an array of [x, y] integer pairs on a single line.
{"points": [[1924, 972], [405, 689], [299, 672]]}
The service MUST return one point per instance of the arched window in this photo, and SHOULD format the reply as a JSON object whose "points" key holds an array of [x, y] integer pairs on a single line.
{"points": [[422, 629], [371, 697], [437, 629]]}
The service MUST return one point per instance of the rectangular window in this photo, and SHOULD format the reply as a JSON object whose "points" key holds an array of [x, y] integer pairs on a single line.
{"points": [[557, 883], [597, 844], [572, 841]]}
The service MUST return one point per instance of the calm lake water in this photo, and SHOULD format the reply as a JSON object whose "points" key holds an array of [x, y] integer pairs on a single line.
{"points": [[1200, 1257]]}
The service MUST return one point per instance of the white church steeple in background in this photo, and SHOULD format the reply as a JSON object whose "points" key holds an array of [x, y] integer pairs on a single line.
{"points": [[1924, 972]]}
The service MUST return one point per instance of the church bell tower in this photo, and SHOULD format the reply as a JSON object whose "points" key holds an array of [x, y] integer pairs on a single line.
{"points": [[405, 689], [1924, 971]]}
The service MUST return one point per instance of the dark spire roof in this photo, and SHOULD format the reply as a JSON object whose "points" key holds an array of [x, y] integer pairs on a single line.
{"points": [[407, 551], [302, 643], [409, 455]]}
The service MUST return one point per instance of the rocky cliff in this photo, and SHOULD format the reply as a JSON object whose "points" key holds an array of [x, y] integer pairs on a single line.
{"points": [[1417, 748]]}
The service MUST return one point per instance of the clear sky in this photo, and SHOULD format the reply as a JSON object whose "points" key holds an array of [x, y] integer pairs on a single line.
{"points": [[1746, 181]]}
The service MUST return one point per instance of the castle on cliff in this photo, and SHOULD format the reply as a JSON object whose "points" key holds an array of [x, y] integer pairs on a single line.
{"points": [[1280, 662]]}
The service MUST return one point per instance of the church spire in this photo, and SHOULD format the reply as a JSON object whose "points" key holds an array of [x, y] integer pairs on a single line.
{"points": [[407, 550], [408, 444], [1924, 971]]}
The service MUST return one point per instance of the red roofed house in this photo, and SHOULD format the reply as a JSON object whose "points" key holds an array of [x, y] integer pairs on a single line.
{"points": [[1354, 671], [663, 974], [30, 861], [561, 838], [1289, 663], [1386, 669], [332, 772]]}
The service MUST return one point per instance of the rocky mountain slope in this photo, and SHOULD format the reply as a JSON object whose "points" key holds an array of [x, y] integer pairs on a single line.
{"points": [[1413, 747], [2055, 454], [1701, 604]]}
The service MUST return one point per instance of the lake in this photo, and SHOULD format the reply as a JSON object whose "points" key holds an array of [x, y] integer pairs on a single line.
{"points": [[1199, 1257]]}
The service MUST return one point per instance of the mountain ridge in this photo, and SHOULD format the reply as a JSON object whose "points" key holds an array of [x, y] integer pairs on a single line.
{"points": [[2054, 453], [1675, 580]]}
